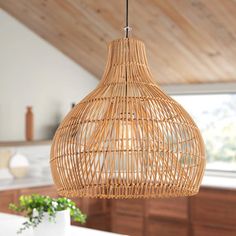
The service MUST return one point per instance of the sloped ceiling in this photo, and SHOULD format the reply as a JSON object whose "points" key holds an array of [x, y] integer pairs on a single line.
{"points": [[187, 41]]}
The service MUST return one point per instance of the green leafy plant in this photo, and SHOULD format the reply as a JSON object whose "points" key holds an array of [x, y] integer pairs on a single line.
{"points": [[35, 206]]}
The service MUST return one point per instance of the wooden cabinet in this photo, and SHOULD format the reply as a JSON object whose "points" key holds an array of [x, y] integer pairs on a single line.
{"points": [[96, 206], [128, 207], [166, 228], [200, 230], [7, 197], [214, 207], [150, 217], [213, 213], [99, 221], [128, 217], [176, 208], [167, 217], [97, 211], [127, 224], [210, 213]]}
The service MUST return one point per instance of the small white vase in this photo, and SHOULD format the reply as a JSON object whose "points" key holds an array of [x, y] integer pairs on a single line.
{"points": [[60, 226]]}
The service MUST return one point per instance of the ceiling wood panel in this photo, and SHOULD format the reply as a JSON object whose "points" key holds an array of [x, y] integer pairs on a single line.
{"points": [[187, 41]]}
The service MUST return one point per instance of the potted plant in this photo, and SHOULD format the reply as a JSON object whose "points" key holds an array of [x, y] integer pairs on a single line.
{"points": [[46, 215]]}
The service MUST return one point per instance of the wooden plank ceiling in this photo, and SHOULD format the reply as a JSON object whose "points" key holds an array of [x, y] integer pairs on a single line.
{"points": [[187, 41]]}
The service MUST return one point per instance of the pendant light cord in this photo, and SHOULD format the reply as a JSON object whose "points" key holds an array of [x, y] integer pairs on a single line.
{"points": [[127, 28], [127, 19]]}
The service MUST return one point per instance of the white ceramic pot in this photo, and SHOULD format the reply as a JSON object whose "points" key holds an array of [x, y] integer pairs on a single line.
{"points": [[59, 227]]}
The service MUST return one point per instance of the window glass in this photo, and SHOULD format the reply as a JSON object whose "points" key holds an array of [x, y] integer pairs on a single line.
{"points": [[215, 115]]}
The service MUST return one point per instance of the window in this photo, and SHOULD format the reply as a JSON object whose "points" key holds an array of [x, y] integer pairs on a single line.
{"points": [[215, 115]]}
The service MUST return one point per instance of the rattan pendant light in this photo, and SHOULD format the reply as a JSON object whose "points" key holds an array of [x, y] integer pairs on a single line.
{"points": [[127, 138]]}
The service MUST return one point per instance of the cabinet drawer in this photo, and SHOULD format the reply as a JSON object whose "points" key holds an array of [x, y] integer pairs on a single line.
{"points": [[128, 225], [212, 231], [166, 228], [100, 222], [7, 197], [214, 208], [129, 207], [96, 206], [170, 207]]}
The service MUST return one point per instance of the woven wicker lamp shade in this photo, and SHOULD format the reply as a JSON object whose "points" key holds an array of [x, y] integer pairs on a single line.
{"points": [[127, 138]]}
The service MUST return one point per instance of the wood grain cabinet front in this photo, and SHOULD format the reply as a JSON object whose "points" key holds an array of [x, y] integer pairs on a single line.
{"points": [[200, 230], [7, 197], [210, 213], [127, 217], [97, 211], [96, 206], [128, 207], [155, 227], [214, 208], [176, 208], [99, 221], [127, 224]]}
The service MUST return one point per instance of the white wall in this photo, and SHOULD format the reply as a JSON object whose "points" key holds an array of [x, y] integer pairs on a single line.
{"points": [[32, 72]]}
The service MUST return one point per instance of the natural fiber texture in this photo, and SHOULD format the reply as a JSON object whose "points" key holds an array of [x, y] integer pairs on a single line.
{"points": [[127, 138]]}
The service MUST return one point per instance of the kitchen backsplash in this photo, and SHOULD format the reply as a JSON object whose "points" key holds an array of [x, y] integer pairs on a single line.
{"points": [[25, 162]]}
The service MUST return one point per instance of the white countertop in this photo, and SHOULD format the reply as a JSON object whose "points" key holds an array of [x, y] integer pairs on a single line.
{"points": [[9, 184], [11, 223], [221, 182]]}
